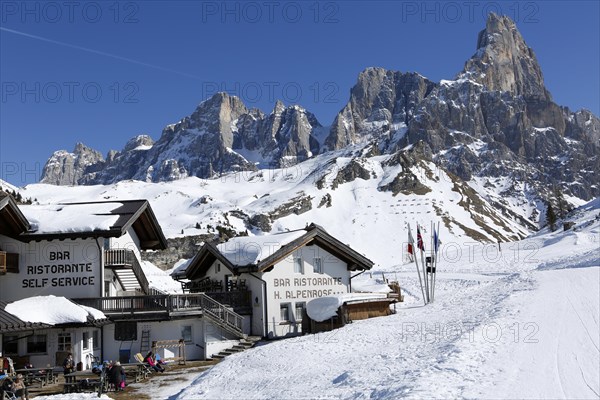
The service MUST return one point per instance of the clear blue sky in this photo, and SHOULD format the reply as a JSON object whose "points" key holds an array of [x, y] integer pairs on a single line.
{"points": [[103, 72]]}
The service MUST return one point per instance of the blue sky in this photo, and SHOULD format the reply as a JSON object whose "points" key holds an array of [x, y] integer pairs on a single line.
{"points": [[102, 72]]}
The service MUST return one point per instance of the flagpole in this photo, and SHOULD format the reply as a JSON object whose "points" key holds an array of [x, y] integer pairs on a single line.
{"points": [[423, 262], [412, 242], [436, 256], [432, 260]]}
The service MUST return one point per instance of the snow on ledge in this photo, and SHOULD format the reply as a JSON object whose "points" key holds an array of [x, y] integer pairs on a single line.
{"points": [[51, 310], [324, 308]]}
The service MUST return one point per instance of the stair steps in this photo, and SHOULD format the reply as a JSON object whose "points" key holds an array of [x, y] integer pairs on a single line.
{"points": [[242, 345]]}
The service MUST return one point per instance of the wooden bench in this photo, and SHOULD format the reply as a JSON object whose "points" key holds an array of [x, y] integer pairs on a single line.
{"points": [[83, 381], [34, 376]]}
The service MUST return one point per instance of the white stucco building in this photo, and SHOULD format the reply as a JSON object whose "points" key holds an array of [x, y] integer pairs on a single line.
{"points": [[269, 279], [90, 254]]}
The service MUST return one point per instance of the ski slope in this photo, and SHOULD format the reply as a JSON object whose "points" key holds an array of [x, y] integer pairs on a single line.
{"points": [[523, 326]]}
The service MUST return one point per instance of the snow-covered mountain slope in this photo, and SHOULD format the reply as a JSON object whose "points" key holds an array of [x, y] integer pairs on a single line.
{"points": [[520, 323], [495, 126], [366, 202]]}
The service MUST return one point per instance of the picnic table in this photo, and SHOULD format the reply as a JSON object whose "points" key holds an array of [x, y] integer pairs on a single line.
{"points": [[136, 371], [41, 376], [83, 381]]}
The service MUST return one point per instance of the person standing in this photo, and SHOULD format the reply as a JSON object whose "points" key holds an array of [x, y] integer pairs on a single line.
{"points": [[115, 376], [68, 364]]}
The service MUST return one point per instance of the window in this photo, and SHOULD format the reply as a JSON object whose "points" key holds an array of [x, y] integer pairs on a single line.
{"points": [[318, 265], [36, 344], [186, 333], [217, 268], [298, 265], [86, 340], [96, 340], [300, 310], [125, 331], [284, 312], [64, 342], [10, 345]]}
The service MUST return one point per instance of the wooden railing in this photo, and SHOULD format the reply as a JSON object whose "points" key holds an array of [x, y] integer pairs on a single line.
{"points": [[118, 257], [235, 299], [169, 303], [126, 258]]}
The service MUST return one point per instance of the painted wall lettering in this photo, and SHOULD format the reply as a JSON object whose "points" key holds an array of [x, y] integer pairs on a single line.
{"points": [[42, 271]]}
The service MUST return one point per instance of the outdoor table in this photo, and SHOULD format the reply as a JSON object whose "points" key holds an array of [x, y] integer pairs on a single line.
{"points": [[43, 376], [74, 379], [136, 370]]}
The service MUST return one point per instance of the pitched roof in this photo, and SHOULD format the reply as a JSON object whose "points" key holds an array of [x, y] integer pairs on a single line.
{"points": [[10, 323], [258, 253], [47, 312], [12, 220], [94, 219]]}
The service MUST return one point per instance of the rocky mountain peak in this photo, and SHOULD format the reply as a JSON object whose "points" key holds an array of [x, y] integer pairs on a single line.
{"points": [[140, 142], [503, 61], [64, 168]]}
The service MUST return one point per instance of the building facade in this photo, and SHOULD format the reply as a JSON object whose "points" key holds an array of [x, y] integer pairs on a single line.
{"points": [[90, 253], [269, 279]]}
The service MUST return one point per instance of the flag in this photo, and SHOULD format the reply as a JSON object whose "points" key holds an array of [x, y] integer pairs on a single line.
{"points": [[436, 241], [411, 242], [420, 244]]}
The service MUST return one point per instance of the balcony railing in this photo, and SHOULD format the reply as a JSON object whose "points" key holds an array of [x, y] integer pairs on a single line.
{"points": [[239, 300], [168, 304]]}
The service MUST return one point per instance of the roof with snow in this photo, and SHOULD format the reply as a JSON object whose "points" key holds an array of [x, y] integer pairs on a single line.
{"points": [[94, 219], [323, 308], [46, 311], [258, 253], [12, 220]]}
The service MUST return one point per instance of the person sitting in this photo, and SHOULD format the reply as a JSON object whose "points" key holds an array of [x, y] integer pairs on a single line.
{"points": [[20, 388], [152, 362]]}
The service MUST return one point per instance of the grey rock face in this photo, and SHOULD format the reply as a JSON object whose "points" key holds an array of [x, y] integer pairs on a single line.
{"points": [[380, 101], [221, 135], [503, 61], [64, 168]]}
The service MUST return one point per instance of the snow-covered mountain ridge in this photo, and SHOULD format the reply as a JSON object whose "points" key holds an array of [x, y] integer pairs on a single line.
{"points": [[494, 131]]}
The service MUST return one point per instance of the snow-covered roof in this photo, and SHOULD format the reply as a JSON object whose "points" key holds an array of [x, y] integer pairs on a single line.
{"points": [[69, 218], [94, 219], [323, 308], [52, 310], [160, 279], [370, 285], [247, 250], [258, 253]]}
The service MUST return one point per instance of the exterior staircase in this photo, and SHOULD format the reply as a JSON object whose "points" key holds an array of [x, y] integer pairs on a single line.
{"points": [[243, 345], [128, 280], [127, 268]]}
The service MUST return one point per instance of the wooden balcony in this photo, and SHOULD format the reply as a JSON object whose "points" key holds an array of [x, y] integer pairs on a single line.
{"points": [[9, 262], [166, 306]]}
